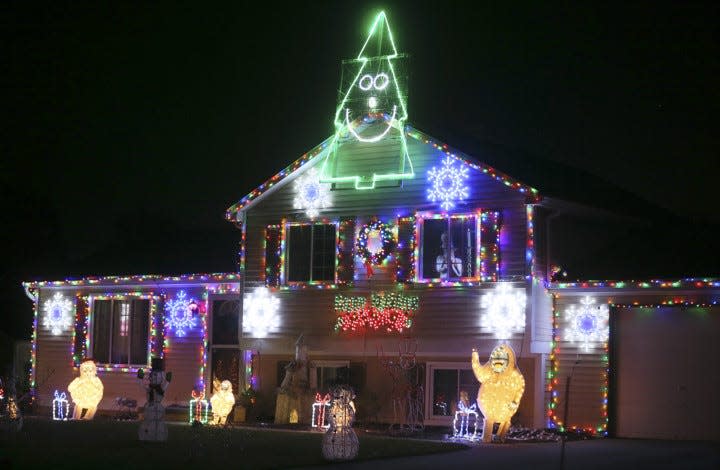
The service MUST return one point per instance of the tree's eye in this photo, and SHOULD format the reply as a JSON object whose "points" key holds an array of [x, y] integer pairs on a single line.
{"points": [[379, 81]]}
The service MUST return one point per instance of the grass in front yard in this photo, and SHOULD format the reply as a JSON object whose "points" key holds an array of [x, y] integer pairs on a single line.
{"points": [[114, 445]]}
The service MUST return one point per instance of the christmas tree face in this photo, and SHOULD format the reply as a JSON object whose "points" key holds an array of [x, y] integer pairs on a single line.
{"points": [[371, 109]]}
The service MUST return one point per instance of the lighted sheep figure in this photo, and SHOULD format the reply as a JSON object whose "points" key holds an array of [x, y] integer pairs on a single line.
{"points": [[153, 427], [86, 391], [222, 403], [501, 388], [340, 441]]}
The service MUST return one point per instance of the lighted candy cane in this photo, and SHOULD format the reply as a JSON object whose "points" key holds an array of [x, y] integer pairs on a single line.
{"points": [[61, 407], [321, 403]]}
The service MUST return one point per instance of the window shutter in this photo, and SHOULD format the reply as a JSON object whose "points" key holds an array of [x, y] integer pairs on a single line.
{"points": [[80, 333], [272, 255], [405, 250], [490, 223], [346, 261]]}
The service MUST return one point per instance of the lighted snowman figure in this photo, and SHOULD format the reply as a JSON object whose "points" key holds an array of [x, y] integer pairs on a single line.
{"points": [[372, 109], [222, 403], [86, 391], [340, 441], [153, 427]]}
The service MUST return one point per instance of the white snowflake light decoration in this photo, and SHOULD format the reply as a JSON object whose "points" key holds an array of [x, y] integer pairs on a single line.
{"points": [[448, 183], [505, 311], [58, 314], [180, 313], [260, 312], [311, 195], [587, 323]]}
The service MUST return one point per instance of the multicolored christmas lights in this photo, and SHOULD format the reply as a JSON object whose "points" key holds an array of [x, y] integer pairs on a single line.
{"points": [[391, 312]]}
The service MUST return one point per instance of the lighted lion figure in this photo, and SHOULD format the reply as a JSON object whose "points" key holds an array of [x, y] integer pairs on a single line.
{"points": [[222, 402], [86, 391], [501, 388]]}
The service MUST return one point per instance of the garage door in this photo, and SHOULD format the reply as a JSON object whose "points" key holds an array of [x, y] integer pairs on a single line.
{"points": [[667, 372]]}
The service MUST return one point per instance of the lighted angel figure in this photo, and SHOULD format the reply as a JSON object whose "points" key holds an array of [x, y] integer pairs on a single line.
{"points": [[501, 388], [86, 391], [222, 402]]}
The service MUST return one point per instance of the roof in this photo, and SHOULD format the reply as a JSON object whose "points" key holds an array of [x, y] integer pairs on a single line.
{"points": [[317, 153], [138, 279]]}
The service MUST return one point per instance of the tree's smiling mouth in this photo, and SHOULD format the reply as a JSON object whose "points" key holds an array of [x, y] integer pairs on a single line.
{"points": [[371, 139]]}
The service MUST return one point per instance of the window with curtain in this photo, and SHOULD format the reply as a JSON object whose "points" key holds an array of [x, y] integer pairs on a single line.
{"points": [[120, 331]]}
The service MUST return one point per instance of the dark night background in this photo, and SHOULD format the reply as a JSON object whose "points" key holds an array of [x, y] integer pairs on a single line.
{"points": [[129, 128]]}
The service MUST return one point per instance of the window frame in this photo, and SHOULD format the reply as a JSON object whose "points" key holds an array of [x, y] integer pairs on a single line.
{"points": [[430, 369], [321, 364], [125, 367], [420, 218], [286, 254]]}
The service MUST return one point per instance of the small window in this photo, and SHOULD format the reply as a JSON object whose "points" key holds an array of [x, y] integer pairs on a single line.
{"points": [[449, 247], [120, 331], [446, 383], [311, 252]]}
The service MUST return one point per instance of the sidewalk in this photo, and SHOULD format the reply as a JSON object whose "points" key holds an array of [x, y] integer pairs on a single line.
{"points": [[618, 454]]}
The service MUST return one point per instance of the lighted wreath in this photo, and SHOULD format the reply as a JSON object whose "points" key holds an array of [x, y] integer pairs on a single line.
{"points": [[386, 238]]}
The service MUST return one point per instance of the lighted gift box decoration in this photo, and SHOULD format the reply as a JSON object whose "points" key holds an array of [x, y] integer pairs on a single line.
{"points": [[199, 408], [61, 407], [320, 411], [465, 415]]}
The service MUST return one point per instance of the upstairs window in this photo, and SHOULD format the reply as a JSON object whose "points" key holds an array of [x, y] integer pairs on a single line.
{"points": [[120, 331], [311, 251], [448, 247]]}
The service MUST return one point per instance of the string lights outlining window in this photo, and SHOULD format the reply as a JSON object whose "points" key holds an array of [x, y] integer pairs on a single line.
{"points": [[311, 195], [260, 312], [505, 310], [180, 313], [448, 183], [587, 323], [58, 314]]}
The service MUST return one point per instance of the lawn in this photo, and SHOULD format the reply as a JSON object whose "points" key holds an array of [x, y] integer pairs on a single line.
{"points": [[113, 445]]}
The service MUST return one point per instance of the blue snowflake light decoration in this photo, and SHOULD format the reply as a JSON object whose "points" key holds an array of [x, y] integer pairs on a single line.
{"points": [[310, 194], [448, 183], [180, 313], [587, 323]]}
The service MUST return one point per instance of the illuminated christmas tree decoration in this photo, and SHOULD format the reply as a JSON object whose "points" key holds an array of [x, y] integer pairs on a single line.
{"points": [[199, 408], [311, 195], [505, 310], [373, 104], [380, 232], [260, 312], [180, 313], [448, 183], [61, 407], [321, 411], [58, 314], [587, 323]]}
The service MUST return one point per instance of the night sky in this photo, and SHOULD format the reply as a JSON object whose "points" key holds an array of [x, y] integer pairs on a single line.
{"points": [[129, 129]]}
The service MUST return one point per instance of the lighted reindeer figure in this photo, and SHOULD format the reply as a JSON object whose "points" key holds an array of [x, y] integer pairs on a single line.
{"points": [[407, 393]]}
